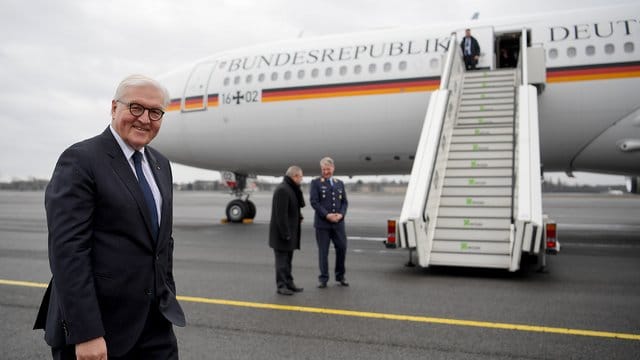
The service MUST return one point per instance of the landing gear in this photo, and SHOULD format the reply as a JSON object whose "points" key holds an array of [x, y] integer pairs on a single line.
{"points": [[633, 184], [239, 210]]}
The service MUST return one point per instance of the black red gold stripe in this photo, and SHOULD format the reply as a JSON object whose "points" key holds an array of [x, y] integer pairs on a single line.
{"points": [[212, 100], [193, 102], [593, 72], [351, 89]]}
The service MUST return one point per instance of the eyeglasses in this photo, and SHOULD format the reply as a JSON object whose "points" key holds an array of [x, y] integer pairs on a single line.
{"points": [[136, 109]]}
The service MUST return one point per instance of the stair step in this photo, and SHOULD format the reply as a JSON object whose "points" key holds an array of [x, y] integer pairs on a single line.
{"points": [[469, 201], [482, 131], [482, 139], [483, 73], [489, 76], [464, 108], [488, 90], [475, 247], [470, 259], [473, 223], [507, 95], [485, 113], [478, 182], [481, 120], [479, 163], [470, 211], [471, 235], [480, 155], [476, 191], [481, 147], [478, 172], [488, 83], [487, 101]]}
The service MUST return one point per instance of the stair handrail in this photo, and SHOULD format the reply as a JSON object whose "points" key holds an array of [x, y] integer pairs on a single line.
{"points": [[412, 220]]}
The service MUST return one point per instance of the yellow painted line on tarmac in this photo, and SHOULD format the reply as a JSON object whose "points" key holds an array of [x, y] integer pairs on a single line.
{"points": [[383, 316], [23, 283]]}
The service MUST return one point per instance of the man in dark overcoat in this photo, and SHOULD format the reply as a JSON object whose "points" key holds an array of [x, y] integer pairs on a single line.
{"points": [[470, 50], [284, 229]]}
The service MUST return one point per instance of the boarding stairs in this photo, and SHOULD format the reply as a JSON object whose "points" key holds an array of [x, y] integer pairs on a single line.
{"points": [[473, 223], [474, 195]]}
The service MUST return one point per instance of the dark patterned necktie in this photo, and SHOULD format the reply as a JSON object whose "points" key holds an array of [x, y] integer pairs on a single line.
{"points": [[146, 191]]}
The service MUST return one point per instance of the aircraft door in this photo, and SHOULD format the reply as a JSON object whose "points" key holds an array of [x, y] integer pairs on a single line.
{"points": [[484, 35], [195, 92]]}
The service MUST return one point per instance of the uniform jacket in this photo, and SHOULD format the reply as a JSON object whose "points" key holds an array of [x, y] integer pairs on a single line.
{"points": [[284, 229], [106, 267], [326, 199]]}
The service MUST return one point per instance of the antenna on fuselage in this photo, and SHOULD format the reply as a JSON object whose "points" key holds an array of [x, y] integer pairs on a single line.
{"points": [[475, 16]]}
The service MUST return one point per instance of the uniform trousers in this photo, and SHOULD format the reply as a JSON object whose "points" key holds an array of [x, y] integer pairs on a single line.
{"points": [[324, 237], [284, 258], [157, 341]]}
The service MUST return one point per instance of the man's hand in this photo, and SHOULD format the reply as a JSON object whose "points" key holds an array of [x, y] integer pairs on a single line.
{"points": [[334, 217], [94, 349]]}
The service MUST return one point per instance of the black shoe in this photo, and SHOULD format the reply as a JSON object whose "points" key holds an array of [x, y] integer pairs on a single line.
{"points": [[294, 288], [284, 291], [322, 285], [343, 282]]}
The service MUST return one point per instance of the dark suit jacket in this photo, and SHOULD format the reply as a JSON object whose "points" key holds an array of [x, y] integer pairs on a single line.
{"points": [[475, 47], [284, 229], [107, 269], [326, 199]]}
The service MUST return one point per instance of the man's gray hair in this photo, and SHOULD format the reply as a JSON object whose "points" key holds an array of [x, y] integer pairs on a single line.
{"points": [[293, 170], [326, 161], [136, 80]]}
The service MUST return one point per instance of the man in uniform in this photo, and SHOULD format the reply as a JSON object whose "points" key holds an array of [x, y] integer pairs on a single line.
{"points": [[329, 200]]}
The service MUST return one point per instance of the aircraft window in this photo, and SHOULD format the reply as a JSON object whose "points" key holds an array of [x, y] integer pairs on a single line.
{"points": [[236, 80], [608, 49], [434, 63], [300, 74], [274, 76], [261, 77], [343, 70], [357, 69], [287, 75], [628, 47], [387, 67], [402, 65], [226, 81], [372, 68], [571, 51], [590, 50], [328, 71], [553, 54], [314, 73], [248, 79]]}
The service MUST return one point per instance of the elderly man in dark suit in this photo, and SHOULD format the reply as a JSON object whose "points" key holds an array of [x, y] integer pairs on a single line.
{"points": [[470, 50], [109, 214], [284, 229]]}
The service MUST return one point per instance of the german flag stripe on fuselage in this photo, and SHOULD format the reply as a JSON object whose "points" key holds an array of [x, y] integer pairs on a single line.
{"points": [[351, 89], [193, 102], [395, 86], [593, 72]]}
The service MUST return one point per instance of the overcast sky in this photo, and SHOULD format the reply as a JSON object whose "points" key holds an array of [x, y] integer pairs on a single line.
{"points": [[60, 61]]}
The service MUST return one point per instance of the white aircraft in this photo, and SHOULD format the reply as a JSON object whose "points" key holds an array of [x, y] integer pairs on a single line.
{"points": [[361, 98]]}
